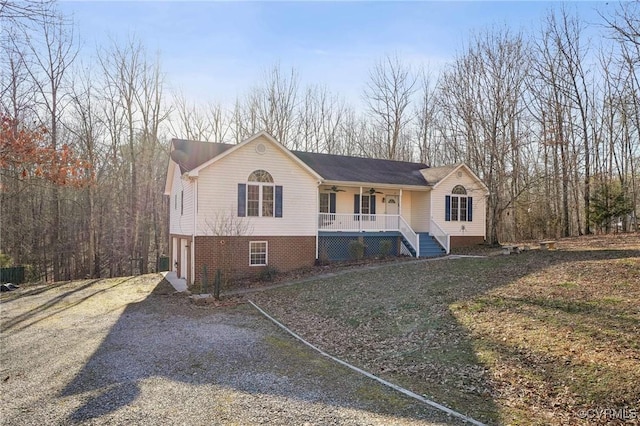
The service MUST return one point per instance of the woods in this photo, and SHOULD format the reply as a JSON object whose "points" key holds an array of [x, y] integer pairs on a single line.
{"points": [[549, 119]]}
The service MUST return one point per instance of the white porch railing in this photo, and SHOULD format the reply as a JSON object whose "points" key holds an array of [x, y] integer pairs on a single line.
{"points": [[442, 237], [410, 235], [355, 222]]}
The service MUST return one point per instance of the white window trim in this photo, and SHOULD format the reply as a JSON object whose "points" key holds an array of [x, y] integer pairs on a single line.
{"points": [[266, 253], [362, 204], [459, 197], [328, 203], [261, 185]]}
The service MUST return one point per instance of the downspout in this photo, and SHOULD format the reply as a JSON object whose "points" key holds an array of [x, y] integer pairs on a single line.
{"points": [[193, 236], [318, 220]]}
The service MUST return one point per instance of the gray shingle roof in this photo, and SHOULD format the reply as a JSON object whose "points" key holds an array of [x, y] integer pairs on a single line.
{"points": [[191, 154], [358, 169]]}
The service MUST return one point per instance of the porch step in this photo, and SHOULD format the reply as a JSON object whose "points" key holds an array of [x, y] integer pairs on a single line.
{"points": [[408, 246], [429, 246]]}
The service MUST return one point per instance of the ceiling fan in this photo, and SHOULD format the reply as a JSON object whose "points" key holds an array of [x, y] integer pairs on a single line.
{"points": [[334, 189], [373, 191]]}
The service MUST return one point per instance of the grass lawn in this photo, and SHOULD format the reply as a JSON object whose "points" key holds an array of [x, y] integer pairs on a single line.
{"points": [[522, 339]]}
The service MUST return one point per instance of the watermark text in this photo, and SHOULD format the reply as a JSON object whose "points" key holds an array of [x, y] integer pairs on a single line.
{"points": [[609, 414]]}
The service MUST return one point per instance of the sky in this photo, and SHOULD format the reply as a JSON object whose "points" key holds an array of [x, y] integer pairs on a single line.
{"points": [[216, 51]]}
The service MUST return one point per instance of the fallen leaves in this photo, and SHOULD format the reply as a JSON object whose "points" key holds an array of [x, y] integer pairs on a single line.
{"points": [[530, 338]]}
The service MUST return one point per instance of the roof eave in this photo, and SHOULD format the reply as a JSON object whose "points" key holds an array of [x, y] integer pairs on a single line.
{"points": [[195, 172], [168, 184], [473, 175], [377, 185]]}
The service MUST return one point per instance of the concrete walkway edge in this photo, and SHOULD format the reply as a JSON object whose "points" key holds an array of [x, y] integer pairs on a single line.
{"points": [[180, 284]]}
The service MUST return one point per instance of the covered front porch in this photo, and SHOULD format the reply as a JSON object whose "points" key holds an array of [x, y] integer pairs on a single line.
{"points": [[370, 211]]}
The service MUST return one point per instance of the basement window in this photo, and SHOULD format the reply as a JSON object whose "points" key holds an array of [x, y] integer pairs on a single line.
{"points": [[257, 253]]}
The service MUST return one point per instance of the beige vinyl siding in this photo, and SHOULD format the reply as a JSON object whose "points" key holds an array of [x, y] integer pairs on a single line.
{"points": [[406, 206], [218, 192], [474, 228], [181, 224], [344, 200], [420, 211]]}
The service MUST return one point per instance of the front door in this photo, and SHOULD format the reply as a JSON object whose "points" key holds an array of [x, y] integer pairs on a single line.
{"points": [[391, 204]]}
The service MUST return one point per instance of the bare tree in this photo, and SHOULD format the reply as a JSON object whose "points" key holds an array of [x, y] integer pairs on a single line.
{"points": [[25, 11], [625, 23], [270, 107], [50, 59], [426, 123], [483, 94], [134, 111], [320, 117], [191, 121], [388, 94], [226, 226]]}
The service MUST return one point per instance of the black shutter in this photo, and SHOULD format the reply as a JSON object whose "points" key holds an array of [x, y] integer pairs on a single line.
{"points": [[372, 204], [332, 202], [242, 200], [278, 201], [469, 209], [447, 208]]}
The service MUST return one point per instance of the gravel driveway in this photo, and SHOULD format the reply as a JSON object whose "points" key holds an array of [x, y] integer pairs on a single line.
{"points": [[129, 351]]}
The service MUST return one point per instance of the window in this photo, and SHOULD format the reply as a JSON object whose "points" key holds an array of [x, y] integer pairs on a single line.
{"points": [[267, 201], [257, 253], [260, 176], [327, 205], [253, 200], [261, 196], [328, 202], [365, 205], [454, 208], [458, 206]]}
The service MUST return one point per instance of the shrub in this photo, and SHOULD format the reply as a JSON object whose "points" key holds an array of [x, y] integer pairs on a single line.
{"points": [[385, 248], [356, 249], [5, 260], [323, 258], [269, 273]]}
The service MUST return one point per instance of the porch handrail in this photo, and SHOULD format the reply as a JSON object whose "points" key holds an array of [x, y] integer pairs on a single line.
{"points": [[409, 234], [442, 237], [356, 222]]}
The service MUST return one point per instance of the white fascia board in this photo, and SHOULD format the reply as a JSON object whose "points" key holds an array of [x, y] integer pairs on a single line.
{"points": [[196, 171], [469, 171], [168, 184]]}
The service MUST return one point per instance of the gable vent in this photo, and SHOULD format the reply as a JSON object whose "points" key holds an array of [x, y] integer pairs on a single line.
{"points": [[261, 148]]}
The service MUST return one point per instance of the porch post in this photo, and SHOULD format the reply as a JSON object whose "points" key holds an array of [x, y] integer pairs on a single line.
{"points": [[399, 207], [360, 218]]}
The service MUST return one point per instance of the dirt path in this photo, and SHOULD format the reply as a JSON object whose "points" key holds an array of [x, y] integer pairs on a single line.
{"points": [[128, 351]]}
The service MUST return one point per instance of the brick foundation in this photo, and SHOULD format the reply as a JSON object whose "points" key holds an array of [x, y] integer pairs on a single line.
{"points": [[232, 254], [460, 241]]}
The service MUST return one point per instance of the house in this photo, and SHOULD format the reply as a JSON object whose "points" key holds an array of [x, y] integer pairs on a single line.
{"points": [[255, 204]]}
